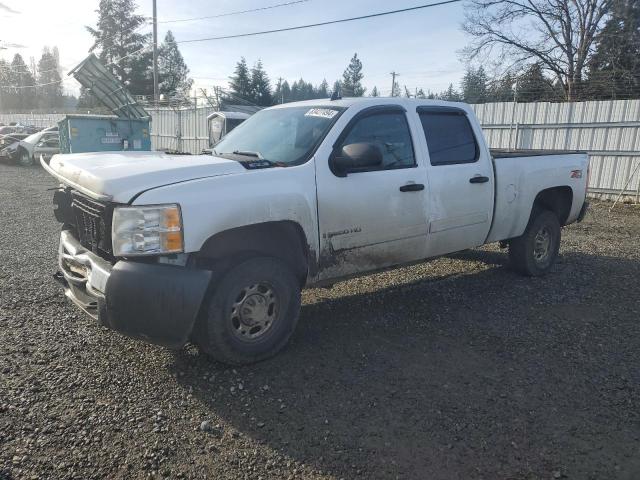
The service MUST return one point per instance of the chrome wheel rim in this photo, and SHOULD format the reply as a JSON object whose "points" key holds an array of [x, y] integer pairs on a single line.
{"points": [[254, 311], [542, 245]]}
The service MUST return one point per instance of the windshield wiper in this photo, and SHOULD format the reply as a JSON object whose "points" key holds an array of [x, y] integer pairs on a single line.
{"points": [[248, 153]]}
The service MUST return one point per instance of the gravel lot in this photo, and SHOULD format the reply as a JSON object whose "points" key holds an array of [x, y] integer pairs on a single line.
{"points": [[455, 369]]}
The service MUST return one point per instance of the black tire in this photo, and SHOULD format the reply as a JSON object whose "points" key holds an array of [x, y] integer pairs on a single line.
{"points": [[226, 329], [527, 253], [24, 158]]}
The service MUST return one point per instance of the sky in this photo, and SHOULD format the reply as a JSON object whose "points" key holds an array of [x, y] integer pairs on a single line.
{"points": [[422, 46]]}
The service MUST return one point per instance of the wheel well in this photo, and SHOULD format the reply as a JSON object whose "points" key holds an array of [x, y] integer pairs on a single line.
{"points": [[284, 240], [556, 199]]}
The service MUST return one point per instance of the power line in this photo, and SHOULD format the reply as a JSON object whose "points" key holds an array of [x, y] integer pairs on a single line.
{"points": [[320, 24], [228, 14]]}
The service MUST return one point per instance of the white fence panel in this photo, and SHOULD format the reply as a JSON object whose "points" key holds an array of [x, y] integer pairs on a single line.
{"points": [[608, 130]]}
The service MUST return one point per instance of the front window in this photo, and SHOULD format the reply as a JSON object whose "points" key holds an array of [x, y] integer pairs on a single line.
{"points": [[287, 136]]}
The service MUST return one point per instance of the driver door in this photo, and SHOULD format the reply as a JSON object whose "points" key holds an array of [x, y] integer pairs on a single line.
{"points": [[373, 218]]}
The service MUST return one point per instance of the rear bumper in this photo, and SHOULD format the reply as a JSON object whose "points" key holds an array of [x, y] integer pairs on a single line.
{"points": [[153, 302]]}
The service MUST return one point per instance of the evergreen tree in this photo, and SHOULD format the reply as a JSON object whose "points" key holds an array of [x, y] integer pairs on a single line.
{"points": [[534, 86], [5, 68], [240, 82], [295, 92], [502, 90], [614, 70], [323, 89], [173, 73], [309, 92], [420, 94], [87, 101], [21, 92], [50, 92], [120, 45], [374, 92], [450, 94], [286, 91], [352, 79], [260, 85], [474, 85], [337, 87]]}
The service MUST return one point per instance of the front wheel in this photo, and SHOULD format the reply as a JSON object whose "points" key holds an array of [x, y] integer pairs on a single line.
{"points": [[252, 312], [534, 253], [25, 159]]}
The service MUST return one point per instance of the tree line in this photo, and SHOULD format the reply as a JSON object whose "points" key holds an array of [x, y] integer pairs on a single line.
{"points": [[38, 85], [253, 85]]}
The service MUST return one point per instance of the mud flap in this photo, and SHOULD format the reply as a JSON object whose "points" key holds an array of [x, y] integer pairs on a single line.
{"points": [[156, 303]]}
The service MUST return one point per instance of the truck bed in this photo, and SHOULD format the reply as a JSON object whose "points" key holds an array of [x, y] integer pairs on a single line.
{"points": [[512, 153]]}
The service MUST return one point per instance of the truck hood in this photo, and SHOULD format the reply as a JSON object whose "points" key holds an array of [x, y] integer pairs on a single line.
{"points": [[119, 176]]}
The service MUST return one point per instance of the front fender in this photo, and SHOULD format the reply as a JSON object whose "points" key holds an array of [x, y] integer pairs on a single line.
{"points": [[217, 204]]}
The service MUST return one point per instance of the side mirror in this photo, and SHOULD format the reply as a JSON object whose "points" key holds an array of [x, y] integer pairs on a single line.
{"points": [[355, 157]]}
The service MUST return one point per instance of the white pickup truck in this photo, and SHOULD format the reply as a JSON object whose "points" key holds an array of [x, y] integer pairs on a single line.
{"points": [[216, 248]]}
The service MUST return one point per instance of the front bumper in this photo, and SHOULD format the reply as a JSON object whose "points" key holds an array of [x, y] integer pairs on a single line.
{"points": [[153, 302]]}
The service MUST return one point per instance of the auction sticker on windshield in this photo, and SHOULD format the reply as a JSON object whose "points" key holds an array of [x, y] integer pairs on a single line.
{"points": [[321, 112]]}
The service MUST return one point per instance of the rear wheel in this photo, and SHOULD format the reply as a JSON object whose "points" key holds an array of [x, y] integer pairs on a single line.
{"points": [[251, 313], [25, 158], [534, 253]]}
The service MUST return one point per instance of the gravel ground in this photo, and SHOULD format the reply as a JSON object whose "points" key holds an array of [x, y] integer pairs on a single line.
{"points": [[455, 369]]}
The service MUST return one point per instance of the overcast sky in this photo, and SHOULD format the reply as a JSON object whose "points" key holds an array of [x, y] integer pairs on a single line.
{"points": [[422, 45]]}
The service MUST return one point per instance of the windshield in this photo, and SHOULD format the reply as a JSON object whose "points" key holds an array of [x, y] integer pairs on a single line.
{"points": [[282, 135]]}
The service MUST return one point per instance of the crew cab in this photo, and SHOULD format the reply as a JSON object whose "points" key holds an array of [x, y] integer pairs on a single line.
{"points": [[215, 249]]}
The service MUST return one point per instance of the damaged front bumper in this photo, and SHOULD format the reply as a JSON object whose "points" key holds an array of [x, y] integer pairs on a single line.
{"points": [[154, 302]]}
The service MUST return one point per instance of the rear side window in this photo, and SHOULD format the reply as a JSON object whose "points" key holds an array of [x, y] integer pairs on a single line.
{"points": [[450, 138]]}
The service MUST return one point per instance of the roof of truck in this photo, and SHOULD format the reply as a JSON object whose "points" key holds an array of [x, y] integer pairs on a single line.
{"points": [[372, 101]]}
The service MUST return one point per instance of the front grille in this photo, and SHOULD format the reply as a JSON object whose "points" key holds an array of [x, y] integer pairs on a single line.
{"points": [[92, 222]]}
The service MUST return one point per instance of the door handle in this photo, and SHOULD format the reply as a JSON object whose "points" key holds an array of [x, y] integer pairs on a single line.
{"points": [[412, 187], [479, 179]]}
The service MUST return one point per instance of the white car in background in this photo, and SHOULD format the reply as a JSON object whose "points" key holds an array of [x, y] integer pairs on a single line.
{"points": [[45, 143]]}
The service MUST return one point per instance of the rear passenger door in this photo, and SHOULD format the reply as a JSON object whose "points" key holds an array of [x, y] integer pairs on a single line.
{"points": [[461, 181]]}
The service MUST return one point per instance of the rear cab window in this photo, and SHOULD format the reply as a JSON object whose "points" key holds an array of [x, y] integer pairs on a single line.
{"points": [[449, 136]]}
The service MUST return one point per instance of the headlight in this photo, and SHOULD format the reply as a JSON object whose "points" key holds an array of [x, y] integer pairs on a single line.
{"points": [[147, 230]]}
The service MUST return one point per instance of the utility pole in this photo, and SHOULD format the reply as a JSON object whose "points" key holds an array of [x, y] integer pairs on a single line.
{"points": [[155, 54], [393, 82], [281, 92]]}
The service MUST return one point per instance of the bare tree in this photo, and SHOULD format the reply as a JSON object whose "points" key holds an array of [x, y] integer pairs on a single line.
{"points": [[557, 34]]}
